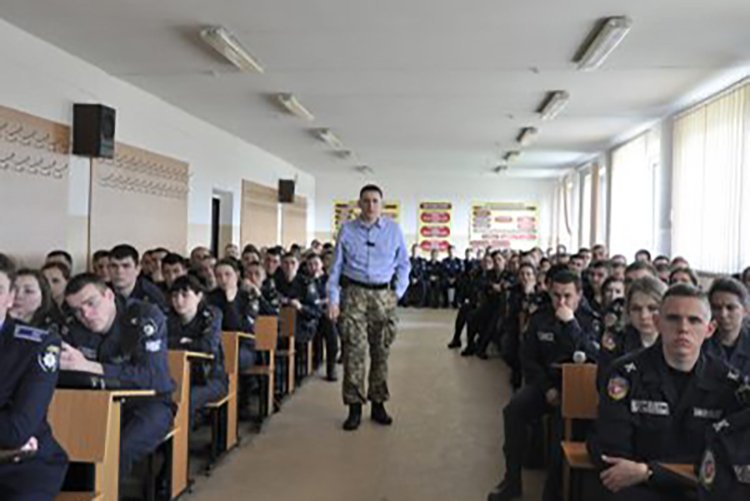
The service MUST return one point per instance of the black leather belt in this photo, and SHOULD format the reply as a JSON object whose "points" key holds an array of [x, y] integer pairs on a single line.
{"points": [[346, 281]]}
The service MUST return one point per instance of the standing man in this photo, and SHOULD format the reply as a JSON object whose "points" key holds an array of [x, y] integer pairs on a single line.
{"points": [[369, 273]]}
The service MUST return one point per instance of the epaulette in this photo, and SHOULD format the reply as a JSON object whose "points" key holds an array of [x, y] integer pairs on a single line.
{"points": [[28, 333]]}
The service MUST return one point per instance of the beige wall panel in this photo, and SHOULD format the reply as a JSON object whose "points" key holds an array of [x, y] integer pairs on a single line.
{"points": [[34, 161], [294, 222], [139, 198], [259, 220]]}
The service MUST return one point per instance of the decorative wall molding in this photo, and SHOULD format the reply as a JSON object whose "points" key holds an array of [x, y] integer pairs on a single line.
{"points": [[141, 171]]}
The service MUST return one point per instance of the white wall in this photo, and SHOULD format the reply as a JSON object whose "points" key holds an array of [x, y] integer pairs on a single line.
{"points": [[40, 79], [460, 190]]}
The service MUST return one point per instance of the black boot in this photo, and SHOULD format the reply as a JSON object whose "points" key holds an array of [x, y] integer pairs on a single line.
{"points": [[355, 417], [455, 343], [331, 370], [505, 491], [379, 415]]}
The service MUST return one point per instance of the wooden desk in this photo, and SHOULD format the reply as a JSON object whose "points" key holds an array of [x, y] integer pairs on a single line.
{"points": [[86, 423]]}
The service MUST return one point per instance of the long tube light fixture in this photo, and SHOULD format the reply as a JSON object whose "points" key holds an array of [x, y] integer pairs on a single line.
{"points": [[606, 37], [226, 44], [294, 107], [553, 104], [511, 156], [527, 136], [329, 138]]}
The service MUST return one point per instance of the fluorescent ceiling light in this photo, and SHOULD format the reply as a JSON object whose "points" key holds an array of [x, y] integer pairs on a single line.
{"points": [[527, 136], [343, 154], [511, 156], [329, 138], [294, 107], [364, 169], [228, 46], [553, 104], [499, 168], [608, 35]]}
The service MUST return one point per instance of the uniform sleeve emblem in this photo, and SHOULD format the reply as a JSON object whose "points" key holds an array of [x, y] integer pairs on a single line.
{"points": [[149, 328], [49, 359], [708, 470], [617, 388], [608, 341], [153, 346], [742, 472]]}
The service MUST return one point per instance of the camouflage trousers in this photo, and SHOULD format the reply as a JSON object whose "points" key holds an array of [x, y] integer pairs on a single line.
{"points": [[368, 317]]}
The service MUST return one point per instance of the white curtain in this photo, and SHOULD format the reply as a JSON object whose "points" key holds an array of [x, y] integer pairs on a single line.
{"points": [[586, 210], [711, 158], [634, 187]]}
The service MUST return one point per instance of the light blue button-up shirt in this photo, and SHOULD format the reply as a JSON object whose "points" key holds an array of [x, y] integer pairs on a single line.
{"points": [[369, 254]]}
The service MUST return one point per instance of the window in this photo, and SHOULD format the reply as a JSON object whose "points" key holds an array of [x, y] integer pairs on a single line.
{"points": [[711, 159], [634, 210], [601, 226], [586, 211]]}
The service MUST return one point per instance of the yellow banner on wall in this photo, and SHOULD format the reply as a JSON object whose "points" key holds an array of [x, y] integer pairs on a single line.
{"points": [[344, 211], [434, 226], [503, 225]]}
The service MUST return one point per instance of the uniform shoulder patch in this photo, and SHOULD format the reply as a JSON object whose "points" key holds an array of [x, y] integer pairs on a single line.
{"points": [[49, 359], [742, 472], [618, 388], [148, 327], [707, 473], [29, 333]]}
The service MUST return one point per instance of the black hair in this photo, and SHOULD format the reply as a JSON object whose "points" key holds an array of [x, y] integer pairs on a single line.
{"points": [[124, 251], [8, 268], [64, 254], [641, 265], [370, 187], [601, 263], [610, 279], [174, 258], [730, 286], [228, 261], [644, 251], [47, 305], [249, 248], [78, 282], [160, 249], [100, 254], [55, 264], [687, 290], [187, 282], [567, 276]]}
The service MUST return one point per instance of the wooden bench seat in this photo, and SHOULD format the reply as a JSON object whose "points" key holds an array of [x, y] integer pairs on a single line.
{"points": [[78, 496], [218, 403]]}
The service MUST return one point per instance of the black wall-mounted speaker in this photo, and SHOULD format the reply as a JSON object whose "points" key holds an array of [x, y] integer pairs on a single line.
{"points": [[286, 191], [93, 130]]}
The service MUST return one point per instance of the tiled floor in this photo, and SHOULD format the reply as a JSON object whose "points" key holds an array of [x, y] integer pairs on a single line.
{"points": [[445, 444]]}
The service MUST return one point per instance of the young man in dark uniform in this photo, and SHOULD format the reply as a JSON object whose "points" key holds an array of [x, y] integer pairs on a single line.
{"points": [[301, 294], [554, 334], [327, 330], [452, 269], [125, 340], [32, 464], [434, 275], [125, 272], [730, 306], [659, 402]]}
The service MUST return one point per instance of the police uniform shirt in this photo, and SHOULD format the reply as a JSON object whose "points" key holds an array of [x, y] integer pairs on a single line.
{"points": [[614, 344], [305, 291], [134, 351], [202, 334], [148, 292], [644, 417], [271, 295], [238, 314], [739, 357], [549, 342], [29, 363], [724, 470]]}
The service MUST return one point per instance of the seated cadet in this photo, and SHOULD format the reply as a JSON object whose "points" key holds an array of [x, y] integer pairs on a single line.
{"points": [[452, 269], [472, 287], [724, 471], [612, 289], [255, 284], [173, 266], [599, 252], [156, 275], [272, 264], [124, 340], [730, 306], [100, 265], [197, 255], [301, 294], [554, 334], [195, 326], [206, 272], [658, 404], [57, 275], [237, 308], [598, 272], [434, 276], [416, 292], [125, 272], [643, 256], [232, 250], [642, 306], [490, 314], [29, 360], [33, 304], [523, 302], [327, 329]]}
